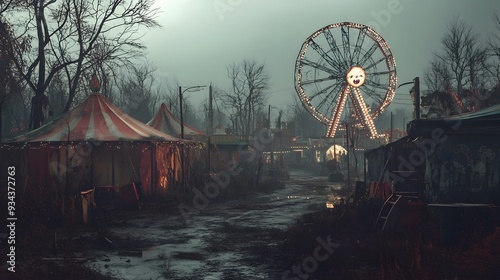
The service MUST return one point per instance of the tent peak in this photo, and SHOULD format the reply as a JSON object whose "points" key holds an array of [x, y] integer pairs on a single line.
{"points": [[95, 84]]}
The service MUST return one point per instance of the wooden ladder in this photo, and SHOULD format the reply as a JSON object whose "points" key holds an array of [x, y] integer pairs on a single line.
{"points": [[390, 211]]}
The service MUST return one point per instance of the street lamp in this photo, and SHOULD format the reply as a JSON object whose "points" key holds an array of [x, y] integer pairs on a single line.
{"points": [[181, 92], [188, 89], [416, 92]]}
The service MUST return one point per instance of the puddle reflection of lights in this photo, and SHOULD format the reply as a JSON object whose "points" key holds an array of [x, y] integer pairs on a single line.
{"points": [[295, 196], [330, 205]]}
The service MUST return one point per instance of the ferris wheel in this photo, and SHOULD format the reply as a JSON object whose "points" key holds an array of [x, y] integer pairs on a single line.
{"points": [[345, 72]]}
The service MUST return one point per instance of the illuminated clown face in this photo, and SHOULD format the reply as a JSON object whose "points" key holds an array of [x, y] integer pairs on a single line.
{"points": [[356, 76]]}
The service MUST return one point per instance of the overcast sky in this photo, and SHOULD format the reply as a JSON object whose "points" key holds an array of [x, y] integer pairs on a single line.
{"points": [[200, 38]]}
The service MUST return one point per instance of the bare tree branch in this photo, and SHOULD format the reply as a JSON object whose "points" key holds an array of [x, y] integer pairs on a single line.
{"points": [[66, 33]]}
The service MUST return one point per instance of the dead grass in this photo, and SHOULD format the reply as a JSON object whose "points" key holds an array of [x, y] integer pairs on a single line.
{"points": [[367, 254]]}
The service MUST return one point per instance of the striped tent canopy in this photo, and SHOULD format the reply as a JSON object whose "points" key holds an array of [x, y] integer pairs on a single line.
{"points": [[165, 121], [96, 119]]}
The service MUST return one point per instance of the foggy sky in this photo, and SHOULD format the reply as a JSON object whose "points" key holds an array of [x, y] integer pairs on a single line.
{"points": [[200, 38]]}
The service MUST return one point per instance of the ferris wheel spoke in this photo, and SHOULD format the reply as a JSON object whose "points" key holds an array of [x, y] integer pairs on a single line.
{"points": [[368, 54], [375, 63], [382, 73], [333, 104], [337, 113], [359, 44], [373, 95], [325, 99], [373, 84], [323, 91], [338, 91], [346, 44], [329, 100], [320, 80], [318, 66], [323, 54], [333, 45]]}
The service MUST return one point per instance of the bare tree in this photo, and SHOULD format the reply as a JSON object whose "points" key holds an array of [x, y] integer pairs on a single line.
{"points": [[494, 48], [463, 55], [138, 91], [170, 95], [9, 84], [437, 77], [249, 83], [304, 124], [458, 77], [65, 33]]}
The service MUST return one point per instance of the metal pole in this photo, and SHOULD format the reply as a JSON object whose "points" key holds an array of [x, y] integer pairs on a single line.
{"points": [[269, 117], [210, 126], [180, 112], [183, 182], [271, 155], [390, 136], [348, 156], [416, 82]]}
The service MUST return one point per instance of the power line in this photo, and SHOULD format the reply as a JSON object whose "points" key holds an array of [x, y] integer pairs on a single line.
{"points": [[280, 90]]}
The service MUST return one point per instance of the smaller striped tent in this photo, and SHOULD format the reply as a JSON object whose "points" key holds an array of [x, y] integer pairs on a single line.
{"points": [[165, 121]]}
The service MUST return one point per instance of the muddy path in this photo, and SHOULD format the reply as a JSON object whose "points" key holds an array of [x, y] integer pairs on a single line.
{"points": [[234, 239]]}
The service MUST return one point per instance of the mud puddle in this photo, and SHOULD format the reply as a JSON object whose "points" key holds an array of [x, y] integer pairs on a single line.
{"points": [[236, 239]]}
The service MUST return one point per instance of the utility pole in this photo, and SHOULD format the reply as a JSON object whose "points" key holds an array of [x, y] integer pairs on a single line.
{"points": [[269, 134], [416, 88], [416, 91], [390, 136], [180, 112], [348, 156], [210, 126]]}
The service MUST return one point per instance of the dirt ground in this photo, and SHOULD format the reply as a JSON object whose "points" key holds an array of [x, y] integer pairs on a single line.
{"points": [[265, 235]]}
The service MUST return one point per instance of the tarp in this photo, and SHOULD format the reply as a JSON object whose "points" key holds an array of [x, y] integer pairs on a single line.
{"points": [[164, 120]]}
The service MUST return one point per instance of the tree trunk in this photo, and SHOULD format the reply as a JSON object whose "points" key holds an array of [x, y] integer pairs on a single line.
{"points": [[36, 119]]}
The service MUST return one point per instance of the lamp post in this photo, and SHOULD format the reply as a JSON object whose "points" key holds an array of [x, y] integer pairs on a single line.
{"points": [[416, 92], [181, 92], [210, 126]]}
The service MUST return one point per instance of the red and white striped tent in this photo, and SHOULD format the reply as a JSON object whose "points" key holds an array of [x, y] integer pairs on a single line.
{"points": [[165, 121], [96, 119], [96, 144]]}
